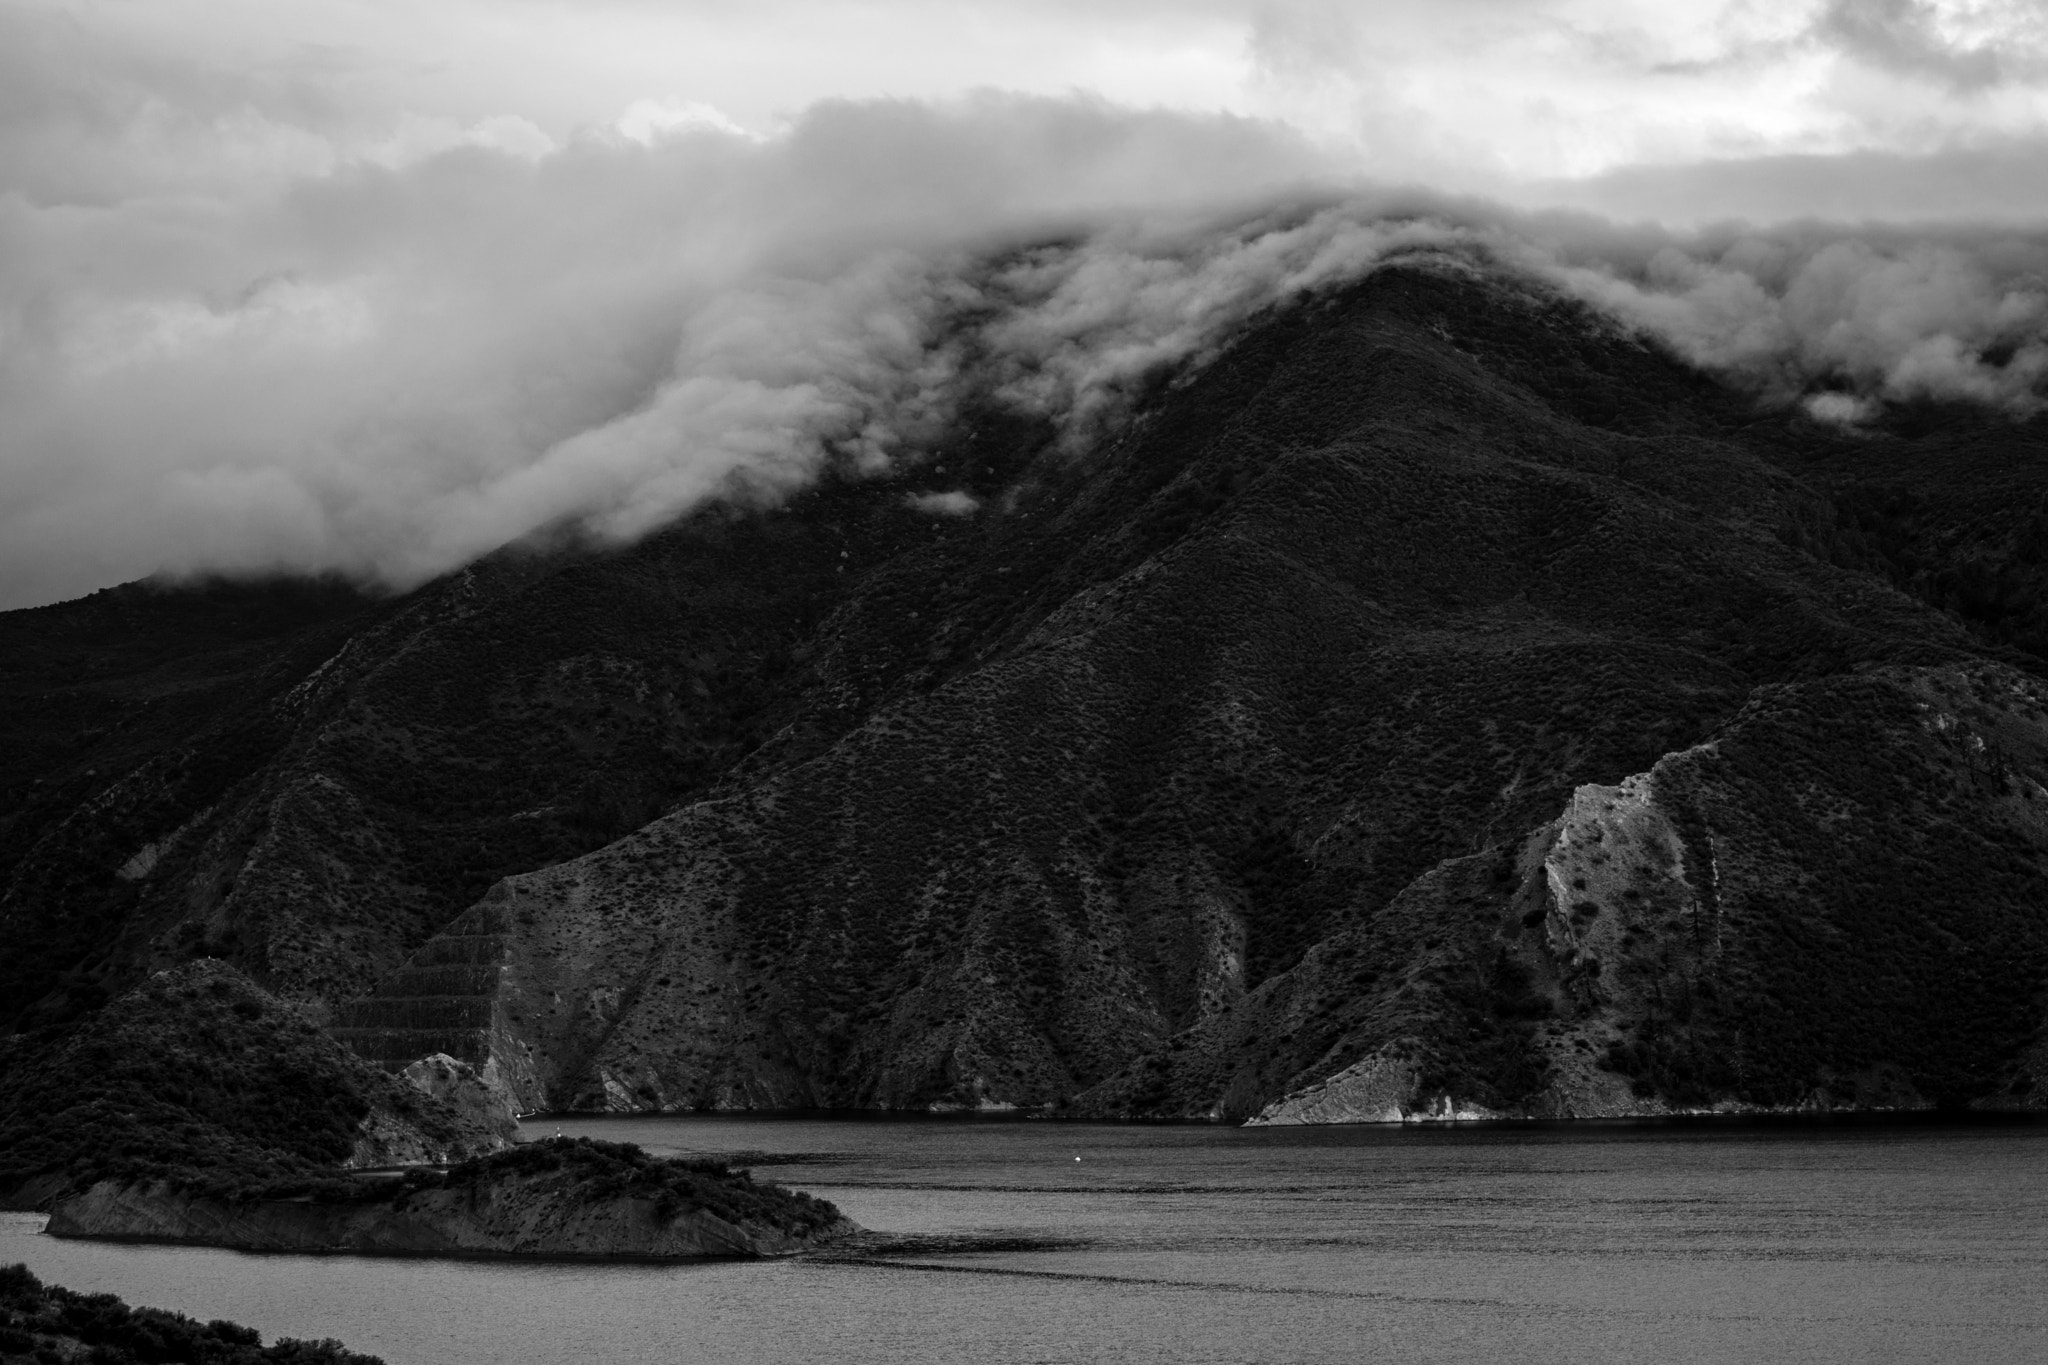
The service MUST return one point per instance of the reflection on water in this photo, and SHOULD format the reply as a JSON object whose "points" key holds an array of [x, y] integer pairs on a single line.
{"points": [[1015, 1241]]}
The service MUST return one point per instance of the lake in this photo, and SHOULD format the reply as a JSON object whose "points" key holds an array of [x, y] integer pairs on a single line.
{"points": [[1020, 1241]]}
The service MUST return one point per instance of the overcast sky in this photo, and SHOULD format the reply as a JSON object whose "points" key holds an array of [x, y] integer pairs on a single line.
{"points": [[374, 285], [1641, 106]]}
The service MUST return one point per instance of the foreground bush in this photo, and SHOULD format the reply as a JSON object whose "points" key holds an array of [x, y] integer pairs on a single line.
{"points": [[44, 1322]]}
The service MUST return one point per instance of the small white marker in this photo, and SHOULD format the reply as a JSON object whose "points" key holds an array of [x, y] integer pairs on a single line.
{"points": [[1077, 1158]]}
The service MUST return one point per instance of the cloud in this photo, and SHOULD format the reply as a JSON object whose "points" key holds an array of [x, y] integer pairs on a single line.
{"points": [[1869, 316], [387, 369], [955, 502], [1872, 315], [2001, 180], [1839, 409], [254, 317], [389, 372], [1907, 36], [648, 121]]}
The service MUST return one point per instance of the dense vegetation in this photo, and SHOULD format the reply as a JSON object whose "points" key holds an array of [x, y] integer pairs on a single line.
{"points": [[166, 692], [607, 1170], [47, 1324], [1880, 908], [195, 1077], [598, 1170]]}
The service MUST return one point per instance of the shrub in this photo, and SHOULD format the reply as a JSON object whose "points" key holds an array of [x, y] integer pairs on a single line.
{"points": [[47, 1322]]}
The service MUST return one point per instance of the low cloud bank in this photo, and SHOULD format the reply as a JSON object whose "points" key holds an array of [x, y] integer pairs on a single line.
{"points": [[387, 370], [1877, 314]]}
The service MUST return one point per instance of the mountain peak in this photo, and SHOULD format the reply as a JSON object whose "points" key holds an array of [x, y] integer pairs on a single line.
{"points": [[1174, 776]]}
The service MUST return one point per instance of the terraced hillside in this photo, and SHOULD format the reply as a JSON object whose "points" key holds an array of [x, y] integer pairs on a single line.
{"points": [[1230, 768]]}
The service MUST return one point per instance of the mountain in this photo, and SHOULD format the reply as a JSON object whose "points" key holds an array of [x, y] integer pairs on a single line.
{"points": [[1439, 701]]}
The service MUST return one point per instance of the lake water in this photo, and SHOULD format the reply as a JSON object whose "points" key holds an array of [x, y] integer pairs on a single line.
{"points": [[1859, 1242]]}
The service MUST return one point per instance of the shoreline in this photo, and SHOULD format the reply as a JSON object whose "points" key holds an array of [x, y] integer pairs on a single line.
{"points": [[1419, 1123], [392, 1254]]}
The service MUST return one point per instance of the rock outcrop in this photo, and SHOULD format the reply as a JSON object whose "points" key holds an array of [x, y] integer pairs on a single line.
{"points": [[1376, 1090], [517, 1221], [467, 1091], [1747, 927], [505, 1209]]}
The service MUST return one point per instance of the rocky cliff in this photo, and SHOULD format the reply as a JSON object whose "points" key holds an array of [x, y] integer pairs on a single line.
{"points": [[1641, 955]]}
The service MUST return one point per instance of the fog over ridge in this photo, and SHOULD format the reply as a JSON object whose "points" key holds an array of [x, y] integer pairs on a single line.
{"points": [[388, 370]]}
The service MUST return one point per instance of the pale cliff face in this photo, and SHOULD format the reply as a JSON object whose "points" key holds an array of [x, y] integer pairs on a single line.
{"points": [[1645, 913], [479, 1096]]}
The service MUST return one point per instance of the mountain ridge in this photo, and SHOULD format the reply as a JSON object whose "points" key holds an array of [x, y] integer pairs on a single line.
{"points": [[1377, 589]]}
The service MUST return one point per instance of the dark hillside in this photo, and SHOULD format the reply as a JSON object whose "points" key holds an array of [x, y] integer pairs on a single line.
{"points": [[199, 1078], [44, 1322], [1356, 600], [315, 799], [1834, 902], [1949, 505], [888, 807], [121, 715]]}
